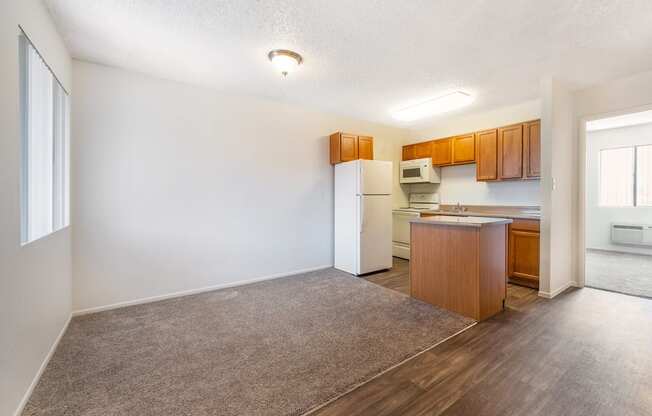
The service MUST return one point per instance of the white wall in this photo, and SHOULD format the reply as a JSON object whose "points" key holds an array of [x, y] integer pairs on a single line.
{"points": [[599, 218], [559, 189], [35, 279], [458, 182], [179, 187]]}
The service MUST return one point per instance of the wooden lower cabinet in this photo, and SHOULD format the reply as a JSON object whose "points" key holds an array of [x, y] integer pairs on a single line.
{"points": [[523, 253]]}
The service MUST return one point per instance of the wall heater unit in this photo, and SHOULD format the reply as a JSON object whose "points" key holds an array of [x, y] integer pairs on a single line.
{"points": [[637, 234]]}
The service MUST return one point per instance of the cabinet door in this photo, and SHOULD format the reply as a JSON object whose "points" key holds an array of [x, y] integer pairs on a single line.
{"points": [[442, 152], [464, 149], [510, 152], [487, 157], [422, 150], [348, 147], [532, 149], [408, 152], [524, 254], [366, 147]]}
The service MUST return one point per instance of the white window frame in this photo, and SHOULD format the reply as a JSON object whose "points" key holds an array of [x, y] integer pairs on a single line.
{"points": [[637, 180], [48, 203]]}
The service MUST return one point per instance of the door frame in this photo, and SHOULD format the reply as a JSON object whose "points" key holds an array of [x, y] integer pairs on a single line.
{"points": [[581, 166]]}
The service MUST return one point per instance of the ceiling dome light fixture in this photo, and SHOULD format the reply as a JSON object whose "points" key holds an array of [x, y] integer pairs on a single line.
{"points": [[284, 60]]}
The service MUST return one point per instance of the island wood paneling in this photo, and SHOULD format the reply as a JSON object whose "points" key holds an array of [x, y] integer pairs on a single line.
{"points": [[459, 268], [442, 274], [492, 269]]}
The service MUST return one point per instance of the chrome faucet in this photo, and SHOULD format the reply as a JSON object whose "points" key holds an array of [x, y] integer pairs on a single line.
{"points": [[459, 208]]}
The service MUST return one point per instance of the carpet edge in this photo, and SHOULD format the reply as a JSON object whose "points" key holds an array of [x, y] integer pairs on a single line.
{"points": [[357, 386]]}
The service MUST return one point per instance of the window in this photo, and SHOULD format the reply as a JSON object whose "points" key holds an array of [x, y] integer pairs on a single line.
{"points": [[626, 176], [617, 177], [644, 175], [44, 148]]}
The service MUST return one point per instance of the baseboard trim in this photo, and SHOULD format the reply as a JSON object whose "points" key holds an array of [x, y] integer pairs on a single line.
{"points": [[550, 295], [172, 295], [39, 373]]}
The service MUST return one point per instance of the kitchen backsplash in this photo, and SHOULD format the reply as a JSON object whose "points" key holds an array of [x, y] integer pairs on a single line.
{"points": [[458, 184]]}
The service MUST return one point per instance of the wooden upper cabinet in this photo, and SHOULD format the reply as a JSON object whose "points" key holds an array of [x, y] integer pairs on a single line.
{"points": [[422, 150], [348, 147], [409, 152], [345, 147], [365, 147], [487, 155], [442, 152], [510, 152], [532, 149], [464, 149]]}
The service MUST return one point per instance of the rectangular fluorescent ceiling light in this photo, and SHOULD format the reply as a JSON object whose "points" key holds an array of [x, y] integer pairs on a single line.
{"points": [[443, 104]]}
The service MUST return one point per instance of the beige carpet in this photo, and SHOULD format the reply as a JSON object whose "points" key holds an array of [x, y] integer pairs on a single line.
{"points": [[280, 347], [619, 272]]}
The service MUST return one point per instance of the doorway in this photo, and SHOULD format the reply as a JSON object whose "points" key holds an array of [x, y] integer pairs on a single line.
{"points": [[618, 204]]}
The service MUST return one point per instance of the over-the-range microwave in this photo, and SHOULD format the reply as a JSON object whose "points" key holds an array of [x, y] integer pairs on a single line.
{"points": [[419, 171]]}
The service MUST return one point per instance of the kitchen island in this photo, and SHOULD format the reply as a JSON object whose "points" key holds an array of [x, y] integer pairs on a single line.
{"points": [[458, 263]]}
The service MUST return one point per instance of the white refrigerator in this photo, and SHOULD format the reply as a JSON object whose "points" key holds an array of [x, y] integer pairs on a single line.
{"points": [[363, 216]]}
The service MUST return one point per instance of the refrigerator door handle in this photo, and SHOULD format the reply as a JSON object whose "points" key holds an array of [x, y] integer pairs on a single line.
{"points": [[361, 214]]}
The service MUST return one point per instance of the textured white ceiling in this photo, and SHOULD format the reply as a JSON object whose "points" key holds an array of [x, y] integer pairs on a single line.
{"points": [[364, 58]]}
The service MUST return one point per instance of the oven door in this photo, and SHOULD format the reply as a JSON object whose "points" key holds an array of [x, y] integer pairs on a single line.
{"points": [[401, 233], [413, 174]]}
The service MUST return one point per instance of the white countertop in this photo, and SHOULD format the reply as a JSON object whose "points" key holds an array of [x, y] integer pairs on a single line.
{"points": [[461, 221]]}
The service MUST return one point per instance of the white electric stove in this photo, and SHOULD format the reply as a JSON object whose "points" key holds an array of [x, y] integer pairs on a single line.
{"points": [[401, 221]]}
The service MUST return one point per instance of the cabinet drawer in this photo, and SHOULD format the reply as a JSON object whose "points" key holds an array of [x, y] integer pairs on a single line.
{"points": [[525, 225]]}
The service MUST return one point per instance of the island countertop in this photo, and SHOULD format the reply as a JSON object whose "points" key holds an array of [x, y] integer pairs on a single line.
{"points": [[460, 221]]}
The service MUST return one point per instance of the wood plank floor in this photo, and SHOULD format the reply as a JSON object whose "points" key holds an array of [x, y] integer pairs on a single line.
{"points": [[586, 352]]}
